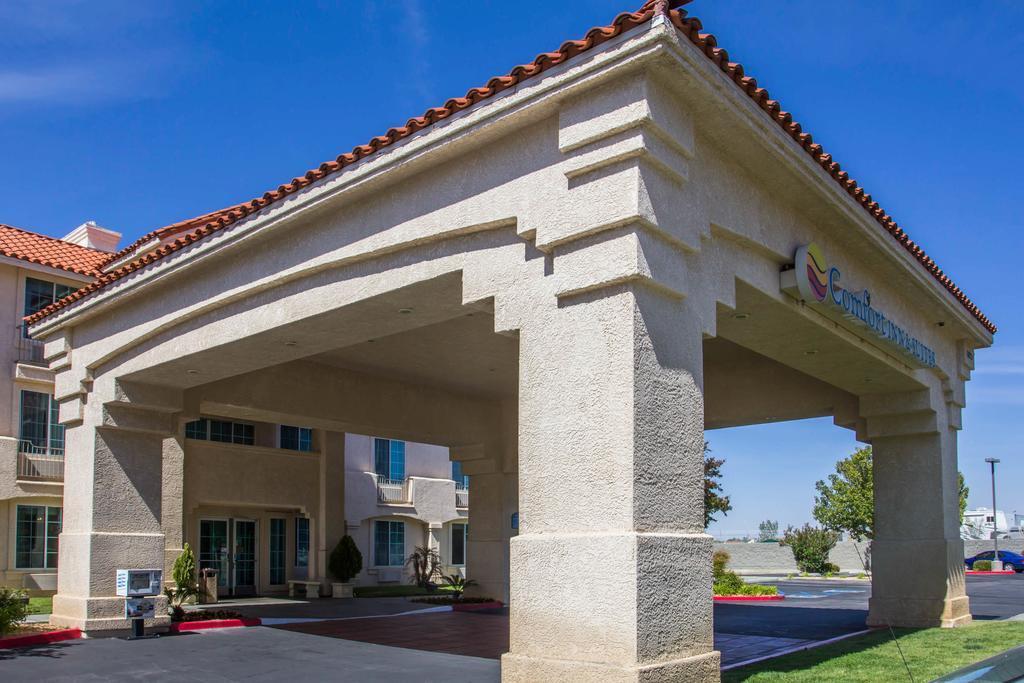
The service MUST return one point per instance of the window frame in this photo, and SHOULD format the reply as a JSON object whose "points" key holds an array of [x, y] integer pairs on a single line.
{"points": [[51, 429], [51, 543], [278, 537], [57, 291], [391, 543], [393, 448], [301, 537], [228, 431], [303, 438], [465, 543]]}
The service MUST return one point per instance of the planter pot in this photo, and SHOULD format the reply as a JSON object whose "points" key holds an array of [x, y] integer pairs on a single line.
{"points": [[341, 590]]}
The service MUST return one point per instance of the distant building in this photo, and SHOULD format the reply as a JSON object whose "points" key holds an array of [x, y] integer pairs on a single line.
{"points": [[979, 522]]}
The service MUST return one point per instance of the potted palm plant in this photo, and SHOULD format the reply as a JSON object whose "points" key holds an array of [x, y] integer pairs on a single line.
{"points": [[345, 562]]}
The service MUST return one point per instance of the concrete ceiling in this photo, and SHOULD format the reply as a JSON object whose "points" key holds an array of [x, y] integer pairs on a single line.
{"points": [[463, 354]]}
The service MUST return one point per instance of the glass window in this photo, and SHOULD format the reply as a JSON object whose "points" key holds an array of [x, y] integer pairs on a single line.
{"points": [[221, 431], [36, 534], [224, 431], [296, 438], [301, 542], [277, 560], [39, 422], [389, 458], [460, 535], [389, 544], [458, 477], [197, 429]]}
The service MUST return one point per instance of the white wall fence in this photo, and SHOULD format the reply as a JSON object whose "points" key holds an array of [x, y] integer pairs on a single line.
{"points": [[771, 558]]}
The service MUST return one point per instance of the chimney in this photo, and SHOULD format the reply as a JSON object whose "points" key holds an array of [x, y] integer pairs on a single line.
{"points": [[94, 236]]}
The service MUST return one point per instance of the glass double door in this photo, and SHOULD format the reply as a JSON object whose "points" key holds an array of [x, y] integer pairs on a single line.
{"points": [[229, 546]]}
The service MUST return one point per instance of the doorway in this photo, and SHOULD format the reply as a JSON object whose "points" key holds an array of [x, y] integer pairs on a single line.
{"points": [[230, 547]]}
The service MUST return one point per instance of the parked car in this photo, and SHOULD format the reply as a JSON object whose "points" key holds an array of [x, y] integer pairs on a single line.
{"points": [[1010, 560]]}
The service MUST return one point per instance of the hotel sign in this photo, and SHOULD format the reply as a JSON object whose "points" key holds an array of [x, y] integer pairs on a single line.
{"points": [[817, 284]]}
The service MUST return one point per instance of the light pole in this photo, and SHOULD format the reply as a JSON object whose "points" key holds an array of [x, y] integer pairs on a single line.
{"points": [[997, 564]]}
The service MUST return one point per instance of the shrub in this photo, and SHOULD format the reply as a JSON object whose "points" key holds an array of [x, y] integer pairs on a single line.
{"points": [[458, 584], [184, 574], [426, 565], [768, 531], [719, 559], [346, 561], [983, 565], [811, 546], [13, 609]]}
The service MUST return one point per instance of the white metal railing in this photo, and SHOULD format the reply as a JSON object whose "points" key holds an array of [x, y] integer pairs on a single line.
{"points": [[461, 495], [392, 490], [37, 463], [27, 350]]}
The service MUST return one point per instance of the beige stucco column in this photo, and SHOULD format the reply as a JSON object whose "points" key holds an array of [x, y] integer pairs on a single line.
{"points": [[330, 522], [489, 529], [917, 556], [113, 515], [611, 571], [172, 495]]}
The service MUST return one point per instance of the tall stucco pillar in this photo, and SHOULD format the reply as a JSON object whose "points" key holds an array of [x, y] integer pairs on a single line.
{"points": [[489, 524], [917, 555], [611, 571], [172, 519], [330, 522], [113, 513]]}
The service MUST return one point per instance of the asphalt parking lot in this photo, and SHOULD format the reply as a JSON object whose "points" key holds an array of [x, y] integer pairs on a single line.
{"points": [[812, 611]]}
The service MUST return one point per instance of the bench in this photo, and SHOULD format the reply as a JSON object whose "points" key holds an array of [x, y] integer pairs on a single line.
{"points": [[312, 588]]}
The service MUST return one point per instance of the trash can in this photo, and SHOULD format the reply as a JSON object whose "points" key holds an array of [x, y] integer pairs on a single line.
{"points": [[207, 586]]}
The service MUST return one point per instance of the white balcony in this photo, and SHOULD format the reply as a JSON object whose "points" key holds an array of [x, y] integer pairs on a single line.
{"points": [[461, 495], [36, 463], [27, 350], [393, 490]]}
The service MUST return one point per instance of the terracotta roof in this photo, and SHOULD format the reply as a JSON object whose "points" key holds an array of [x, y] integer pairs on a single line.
{"points": [[689, 26], [50, 251]]}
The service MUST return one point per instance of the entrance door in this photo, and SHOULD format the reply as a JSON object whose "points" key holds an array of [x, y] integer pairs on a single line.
{"points": [[213, 549], [244, 560]]}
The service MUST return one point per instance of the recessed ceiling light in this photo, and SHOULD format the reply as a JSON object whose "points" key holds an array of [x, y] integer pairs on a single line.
{"points": [[741, 316], [192, 372], [405, 311], [291, 343], [810, 352], [370, 341]]}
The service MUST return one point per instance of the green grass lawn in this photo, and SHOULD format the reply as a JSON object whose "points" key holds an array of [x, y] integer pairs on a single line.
{"points": [[396, 591], [40, 605], [874, 657]]}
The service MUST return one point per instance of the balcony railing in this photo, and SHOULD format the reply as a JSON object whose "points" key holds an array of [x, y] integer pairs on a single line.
{"points": [[392, 490], [27, 350], [461, 495], [37, 463]]}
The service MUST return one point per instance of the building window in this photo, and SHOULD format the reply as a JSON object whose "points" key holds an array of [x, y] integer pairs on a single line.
{"points": [[301, 542], [39, 294], [277, 546], [296, 438], [39, 423], [389, 544], [389, 458], [460, 538], [221, 431], [460, 479], [38, 527]]}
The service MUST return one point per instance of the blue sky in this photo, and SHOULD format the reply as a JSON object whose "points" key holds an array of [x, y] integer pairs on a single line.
{"points": [[140, 114]]}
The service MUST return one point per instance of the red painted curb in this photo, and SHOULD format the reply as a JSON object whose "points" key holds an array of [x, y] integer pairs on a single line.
{"points": [[180, 626], [474, 606], [40, 638], [979, 571], [748, 598]]}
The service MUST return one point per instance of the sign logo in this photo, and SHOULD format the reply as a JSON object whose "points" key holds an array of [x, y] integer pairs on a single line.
{"points": [[819, 285]]}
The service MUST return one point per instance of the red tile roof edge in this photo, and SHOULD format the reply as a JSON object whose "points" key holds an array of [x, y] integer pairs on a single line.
{"points": [[88, 265], [690, 27]]}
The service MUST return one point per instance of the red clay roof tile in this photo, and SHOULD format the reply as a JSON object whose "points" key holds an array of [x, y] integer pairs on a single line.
{"points": [[627, 21], [50, 251]]}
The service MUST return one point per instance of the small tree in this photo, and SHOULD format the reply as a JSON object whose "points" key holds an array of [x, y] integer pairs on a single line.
{"points": [[811, 546], [714, 502], [847, 501], [768, 531], [346, 561], [426, 565], [185, 587]]}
